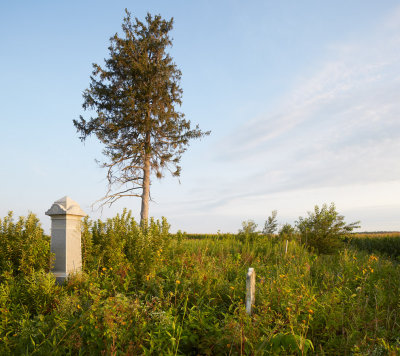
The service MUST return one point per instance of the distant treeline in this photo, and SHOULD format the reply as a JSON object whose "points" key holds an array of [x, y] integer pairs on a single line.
{"points": [[383, 242]]}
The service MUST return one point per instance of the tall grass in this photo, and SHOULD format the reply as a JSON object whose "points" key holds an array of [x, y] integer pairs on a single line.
{"points": [[384, 243], [145, 292]]}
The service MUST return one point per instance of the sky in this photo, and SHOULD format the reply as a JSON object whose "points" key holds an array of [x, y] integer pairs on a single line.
{"points": [[302, 100]]}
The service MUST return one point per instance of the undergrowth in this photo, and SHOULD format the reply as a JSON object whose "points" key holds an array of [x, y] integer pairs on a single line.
{"points": [[145, 291]]}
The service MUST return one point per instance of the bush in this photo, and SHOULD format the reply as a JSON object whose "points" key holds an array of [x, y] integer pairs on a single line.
{"points": [[324, 229], [24, 248], [287, 232], [248, 231], [122, 244], [271, 224]]}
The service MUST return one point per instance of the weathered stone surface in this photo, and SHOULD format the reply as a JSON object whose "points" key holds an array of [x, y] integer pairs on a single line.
{"points": [[250, 289], [65, 206], [65, 242]]}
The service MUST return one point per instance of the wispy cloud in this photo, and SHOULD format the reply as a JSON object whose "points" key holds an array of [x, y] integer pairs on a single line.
{"points": [[334, 137], [340, 124]]}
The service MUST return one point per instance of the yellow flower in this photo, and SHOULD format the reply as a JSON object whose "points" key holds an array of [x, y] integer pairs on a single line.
{"points": [[104, 269], [232, 287], [110, 268], [311, 311], [178, 281], [78, 306]]}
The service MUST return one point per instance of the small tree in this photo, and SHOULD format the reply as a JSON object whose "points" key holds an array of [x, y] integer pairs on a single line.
{"points": [[287, 232], [134, 98], [248, 232], [271, 224], [323, 229]]}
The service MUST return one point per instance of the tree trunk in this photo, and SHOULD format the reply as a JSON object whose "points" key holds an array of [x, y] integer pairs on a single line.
{"points": [[144, 213]]}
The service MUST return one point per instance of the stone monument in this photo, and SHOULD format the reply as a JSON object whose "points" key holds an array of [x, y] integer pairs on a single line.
{"points": [[65, 242]]}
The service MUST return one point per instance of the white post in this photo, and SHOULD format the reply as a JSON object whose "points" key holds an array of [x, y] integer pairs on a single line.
{"points": [[250, 289], [287, 242], [65, 241]]}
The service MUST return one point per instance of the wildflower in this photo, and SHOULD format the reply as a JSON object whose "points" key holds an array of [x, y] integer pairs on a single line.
{"points": [[171, 294], [232, 287], [311, 311], [178, 281], [110, 268], [104, 269], [78, 306], [288, 309]]}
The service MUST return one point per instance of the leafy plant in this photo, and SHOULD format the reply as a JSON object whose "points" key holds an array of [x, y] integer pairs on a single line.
{"points": [[24, 248], [324, 229], [271, 224], [287, 232], [289, 343], [248, 232]]}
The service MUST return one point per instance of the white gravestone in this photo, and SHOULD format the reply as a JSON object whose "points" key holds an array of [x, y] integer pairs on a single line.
{"points": [[250, 289], [65, 242]]}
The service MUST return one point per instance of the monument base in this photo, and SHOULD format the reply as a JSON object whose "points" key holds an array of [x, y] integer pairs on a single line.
{"points": [[60, 277]]}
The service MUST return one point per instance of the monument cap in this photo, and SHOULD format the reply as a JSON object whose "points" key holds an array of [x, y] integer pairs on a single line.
{"points": [[65, 206]]}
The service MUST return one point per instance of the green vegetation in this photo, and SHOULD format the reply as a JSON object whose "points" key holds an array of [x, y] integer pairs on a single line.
{"points": [[324, 229], [134, 99], [145, 291], [387, 244]]}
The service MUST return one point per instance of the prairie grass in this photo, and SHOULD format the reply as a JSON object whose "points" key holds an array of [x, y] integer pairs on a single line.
{"points": [[144, 291]]}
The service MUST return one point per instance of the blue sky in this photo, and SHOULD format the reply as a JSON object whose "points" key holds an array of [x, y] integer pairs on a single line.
{"points": [[302, 99]]}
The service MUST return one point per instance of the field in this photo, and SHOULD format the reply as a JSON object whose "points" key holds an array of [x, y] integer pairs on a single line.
{"points": [[385, 243], [145, 291]]}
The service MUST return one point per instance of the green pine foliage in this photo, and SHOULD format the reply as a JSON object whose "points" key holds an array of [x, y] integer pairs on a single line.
{"points": [[134, 100]]}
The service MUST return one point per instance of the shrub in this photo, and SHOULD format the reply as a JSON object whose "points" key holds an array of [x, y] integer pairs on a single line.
{"points": [[287, 232], [271, 224], [122, 244], [248, 231], [324, 229], [24, 248]]}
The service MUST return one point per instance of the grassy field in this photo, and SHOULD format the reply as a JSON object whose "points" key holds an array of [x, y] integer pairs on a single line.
{"points": [[144, 291], [386, 243]]}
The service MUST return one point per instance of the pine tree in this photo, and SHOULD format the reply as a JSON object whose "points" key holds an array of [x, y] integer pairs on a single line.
{"points": [[134, 98]]}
